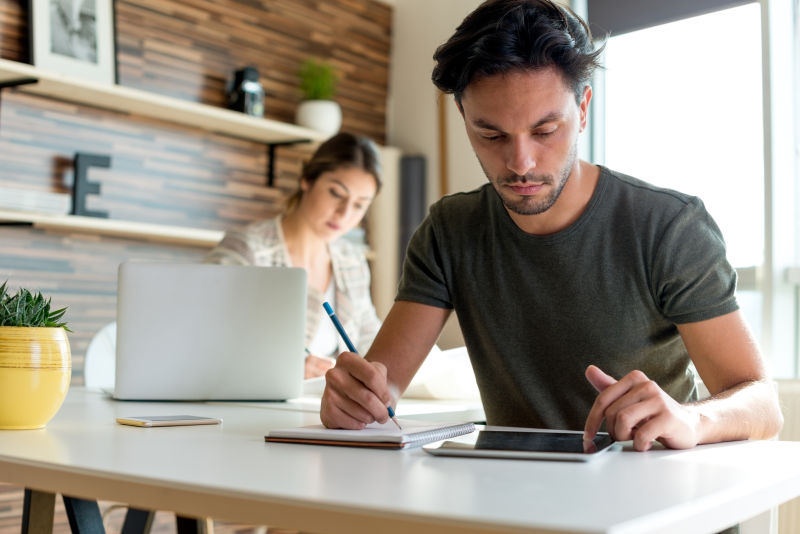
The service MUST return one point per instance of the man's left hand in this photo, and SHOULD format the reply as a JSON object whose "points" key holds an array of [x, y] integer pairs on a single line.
{"points": [[636, 408]]}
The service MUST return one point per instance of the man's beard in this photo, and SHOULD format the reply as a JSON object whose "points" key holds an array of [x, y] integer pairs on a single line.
{"points": [[530, 205]]}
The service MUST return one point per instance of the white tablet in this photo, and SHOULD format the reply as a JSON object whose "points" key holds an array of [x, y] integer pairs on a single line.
{"points": [[525, 444]]}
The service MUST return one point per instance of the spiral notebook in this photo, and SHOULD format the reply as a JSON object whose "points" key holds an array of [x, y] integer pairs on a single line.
{"points": [[375, 435]]}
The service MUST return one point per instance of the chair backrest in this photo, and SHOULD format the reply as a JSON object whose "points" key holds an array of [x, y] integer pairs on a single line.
{"points": [[100, 360]]}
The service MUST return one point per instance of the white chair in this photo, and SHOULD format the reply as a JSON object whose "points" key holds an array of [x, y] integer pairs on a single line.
{"points": [[100, 360]]}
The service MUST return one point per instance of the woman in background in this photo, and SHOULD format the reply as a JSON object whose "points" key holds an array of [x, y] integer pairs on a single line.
{"points": [[336, 188]]}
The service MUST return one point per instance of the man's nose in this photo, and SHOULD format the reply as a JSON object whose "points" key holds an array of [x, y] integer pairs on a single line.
{"points": [[520, 158]]}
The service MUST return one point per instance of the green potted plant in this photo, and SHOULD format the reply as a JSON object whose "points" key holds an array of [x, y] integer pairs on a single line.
{"points": [[35, 361], [318, 110]]}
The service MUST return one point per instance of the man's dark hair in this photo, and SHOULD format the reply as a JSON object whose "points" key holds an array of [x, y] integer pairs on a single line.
{"points": [[503, 36]]}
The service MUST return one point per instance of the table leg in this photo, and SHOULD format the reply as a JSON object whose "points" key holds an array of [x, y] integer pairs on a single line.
{"points": [[138, 521], [84, 516], [38, 509], [192, 525]]}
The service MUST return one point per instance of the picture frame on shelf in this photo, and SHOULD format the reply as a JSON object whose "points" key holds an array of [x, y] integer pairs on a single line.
{"points": [[74, 38]]}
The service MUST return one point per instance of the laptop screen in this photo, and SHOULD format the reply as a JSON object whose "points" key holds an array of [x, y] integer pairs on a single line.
{"points": [[209, 332]]}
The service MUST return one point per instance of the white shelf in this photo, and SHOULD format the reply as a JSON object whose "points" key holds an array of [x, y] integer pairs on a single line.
{"points": [[92, 225], [146, 104], [150, 105]]}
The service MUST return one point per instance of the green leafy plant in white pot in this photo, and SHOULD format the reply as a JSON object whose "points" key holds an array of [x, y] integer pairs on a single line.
{"points": [[318, 110]]}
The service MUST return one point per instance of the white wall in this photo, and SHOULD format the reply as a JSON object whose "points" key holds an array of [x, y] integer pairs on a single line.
{"points": [[420, 26], [382, 221]]}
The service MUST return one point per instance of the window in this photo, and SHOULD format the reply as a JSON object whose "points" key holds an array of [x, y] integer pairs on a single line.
{"points": [[694, 87], [685, 105]]}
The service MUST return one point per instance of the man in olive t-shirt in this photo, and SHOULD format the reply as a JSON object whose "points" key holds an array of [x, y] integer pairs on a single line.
{"points": [[559, 269], [536, 310]]}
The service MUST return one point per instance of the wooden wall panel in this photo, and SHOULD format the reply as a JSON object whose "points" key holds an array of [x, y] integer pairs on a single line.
{"points": [[162, 173], [190, 48], [159, 172], [13, 30]]}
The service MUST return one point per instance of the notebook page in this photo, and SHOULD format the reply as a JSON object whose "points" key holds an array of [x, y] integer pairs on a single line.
{"points": [[376, 432]]}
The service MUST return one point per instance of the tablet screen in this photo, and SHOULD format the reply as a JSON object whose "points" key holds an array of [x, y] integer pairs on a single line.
{"points": [[507, 442], [540, 441]]}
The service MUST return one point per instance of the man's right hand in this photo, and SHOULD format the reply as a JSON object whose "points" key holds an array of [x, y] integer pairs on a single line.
{"points": [[356, 393]]}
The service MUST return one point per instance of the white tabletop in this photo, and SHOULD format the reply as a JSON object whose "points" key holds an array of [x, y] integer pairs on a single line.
{"points": [[228, 472], [452, 411]]}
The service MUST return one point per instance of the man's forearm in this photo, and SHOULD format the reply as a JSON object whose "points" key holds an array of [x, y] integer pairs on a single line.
{"points": [[749, 410]]}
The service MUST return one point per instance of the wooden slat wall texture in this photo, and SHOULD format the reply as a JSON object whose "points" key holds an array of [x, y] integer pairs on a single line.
{"points": [[168, 174], [159, 172], [13, 30], [190, 48]]}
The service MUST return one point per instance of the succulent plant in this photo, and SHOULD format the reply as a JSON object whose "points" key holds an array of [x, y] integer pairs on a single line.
{"points": [[29, 309], [317, 80]]}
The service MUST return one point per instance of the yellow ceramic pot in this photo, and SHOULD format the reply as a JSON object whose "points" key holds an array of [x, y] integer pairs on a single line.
{"points": [[35, 370]]}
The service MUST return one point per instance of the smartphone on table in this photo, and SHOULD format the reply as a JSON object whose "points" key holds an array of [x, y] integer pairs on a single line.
{"points": [[168, 420]]}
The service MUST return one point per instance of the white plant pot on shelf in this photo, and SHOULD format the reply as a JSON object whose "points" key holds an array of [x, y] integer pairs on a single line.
{"points": [[324, 116]]}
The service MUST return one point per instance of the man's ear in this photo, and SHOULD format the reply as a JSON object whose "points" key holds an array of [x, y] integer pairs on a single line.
{"points": [[584, 106]]}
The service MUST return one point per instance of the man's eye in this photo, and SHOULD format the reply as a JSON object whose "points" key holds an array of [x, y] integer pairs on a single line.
{"points": [[336, 194], [546, 133]]}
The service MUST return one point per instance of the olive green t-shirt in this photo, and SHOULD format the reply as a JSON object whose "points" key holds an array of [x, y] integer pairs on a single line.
{"points": [[608, 290]]}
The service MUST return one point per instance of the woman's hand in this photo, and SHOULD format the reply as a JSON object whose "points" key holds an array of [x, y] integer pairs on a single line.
{"points": [[317, 365]]}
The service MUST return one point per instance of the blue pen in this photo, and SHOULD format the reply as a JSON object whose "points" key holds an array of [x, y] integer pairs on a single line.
{"points": [[352, 348]]}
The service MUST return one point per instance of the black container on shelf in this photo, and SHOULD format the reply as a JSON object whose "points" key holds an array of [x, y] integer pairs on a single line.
{"points": [[246, 94]]}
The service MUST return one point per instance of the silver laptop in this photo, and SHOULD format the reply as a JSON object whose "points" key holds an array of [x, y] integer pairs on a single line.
{"points": [[209, 332]]}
